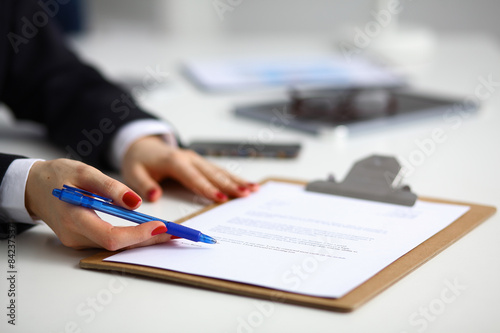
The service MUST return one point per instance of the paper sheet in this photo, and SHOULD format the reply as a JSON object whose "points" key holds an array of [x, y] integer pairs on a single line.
{"points": [[286, 238], [249, 73]]}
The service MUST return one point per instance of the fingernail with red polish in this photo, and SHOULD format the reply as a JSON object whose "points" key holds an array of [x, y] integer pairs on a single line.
{"points": [[159, 230], [151, 194], [175, 237], [221, 196], [243, 189], [131, 199]]}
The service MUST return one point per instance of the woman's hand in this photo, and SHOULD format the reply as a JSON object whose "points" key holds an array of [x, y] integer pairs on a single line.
{"points": [[149, 160], [79, 227]]}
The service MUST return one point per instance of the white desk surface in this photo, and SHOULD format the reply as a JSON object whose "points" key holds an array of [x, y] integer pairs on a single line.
{"points": [[55, 295]]}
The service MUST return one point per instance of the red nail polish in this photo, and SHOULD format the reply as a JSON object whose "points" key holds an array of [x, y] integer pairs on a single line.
{"points": [[131, 199], [159, 230], [243, 189], [151, 194], [221, 196], [175, 237]]}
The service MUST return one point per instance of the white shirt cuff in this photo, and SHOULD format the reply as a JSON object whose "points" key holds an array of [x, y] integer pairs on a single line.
{"points": [[135, 130], [12, 190]]}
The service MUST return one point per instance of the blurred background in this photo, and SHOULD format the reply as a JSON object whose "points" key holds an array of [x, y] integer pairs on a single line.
{"points": [[398, 33], [439, 46], [285, 16]]}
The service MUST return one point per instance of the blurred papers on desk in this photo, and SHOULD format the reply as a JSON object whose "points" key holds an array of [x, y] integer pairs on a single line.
{"points": [[224, 75]]}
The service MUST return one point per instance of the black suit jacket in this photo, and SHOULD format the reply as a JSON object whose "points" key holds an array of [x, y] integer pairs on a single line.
{"points": [[43, 81]]}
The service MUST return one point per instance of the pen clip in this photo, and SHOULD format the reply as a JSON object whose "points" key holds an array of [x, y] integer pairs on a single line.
{"points": [[87, 193]]}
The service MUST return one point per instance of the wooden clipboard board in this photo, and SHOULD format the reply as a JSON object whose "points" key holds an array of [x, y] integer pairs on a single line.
{"points": [[354, 299]]}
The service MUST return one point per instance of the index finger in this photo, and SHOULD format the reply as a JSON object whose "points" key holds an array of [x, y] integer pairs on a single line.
{"points": [[93, 180]]}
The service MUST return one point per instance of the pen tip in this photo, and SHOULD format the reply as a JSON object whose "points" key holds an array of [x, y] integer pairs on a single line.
{"points": [[207, 239]]}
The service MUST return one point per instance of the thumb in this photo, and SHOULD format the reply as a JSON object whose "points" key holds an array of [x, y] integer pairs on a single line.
{"points": [[156, 228], [140, 180], [149, 233], [136, 236]]}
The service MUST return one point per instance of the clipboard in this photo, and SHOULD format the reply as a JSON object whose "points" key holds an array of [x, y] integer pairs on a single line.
{"points": [[372, 178]]}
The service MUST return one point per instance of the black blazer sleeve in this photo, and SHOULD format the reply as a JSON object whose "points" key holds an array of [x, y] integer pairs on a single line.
{"points": [[42, 80]]}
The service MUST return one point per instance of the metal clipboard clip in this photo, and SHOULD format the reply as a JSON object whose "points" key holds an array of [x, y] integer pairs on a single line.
{"points": [[374, 178]]}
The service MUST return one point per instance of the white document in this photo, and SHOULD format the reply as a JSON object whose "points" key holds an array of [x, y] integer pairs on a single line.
{"points": [[286, 238], [250, 73]]}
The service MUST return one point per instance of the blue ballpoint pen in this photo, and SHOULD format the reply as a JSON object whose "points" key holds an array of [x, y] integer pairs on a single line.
{"points": [[87, 199]]}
